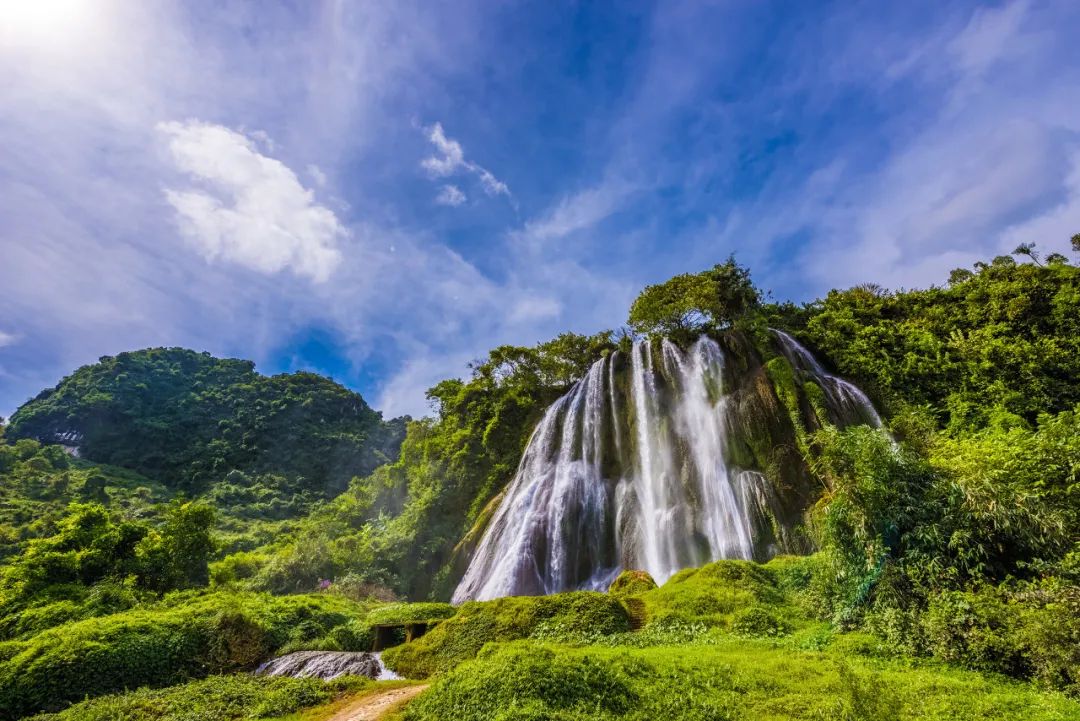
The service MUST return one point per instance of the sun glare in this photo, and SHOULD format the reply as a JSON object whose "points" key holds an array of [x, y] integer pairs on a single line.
{"points": [[46, 24]]}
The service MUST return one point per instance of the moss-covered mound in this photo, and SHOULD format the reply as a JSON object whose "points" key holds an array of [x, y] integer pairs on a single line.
{"points": [[741, 596], [506, 619], [631, 583]]}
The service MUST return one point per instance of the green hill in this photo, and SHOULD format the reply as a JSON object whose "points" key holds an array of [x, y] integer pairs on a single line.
{"points": [[188, 420]]}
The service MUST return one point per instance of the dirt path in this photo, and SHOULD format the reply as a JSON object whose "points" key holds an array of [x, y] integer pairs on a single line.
{"points": [[374, 706]]}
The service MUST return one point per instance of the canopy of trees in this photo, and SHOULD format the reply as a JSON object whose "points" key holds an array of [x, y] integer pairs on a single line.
{"points": [[187, 419], [690, 304]]}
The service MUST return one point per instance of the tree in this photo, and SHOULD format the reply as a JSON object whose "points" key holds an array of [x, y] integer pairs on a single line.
{"points": [[187, 544], [690, 304], [1028, 249], [1076, 242]]}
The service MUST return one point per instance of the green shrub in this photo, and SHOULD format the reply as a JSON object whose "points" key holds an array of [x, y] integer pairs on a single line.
{"points": [[759, 621], [354, 636], [186, 635], [529, 682], [1030, 632], [578, 613], [1049, 635], [973, 629]]}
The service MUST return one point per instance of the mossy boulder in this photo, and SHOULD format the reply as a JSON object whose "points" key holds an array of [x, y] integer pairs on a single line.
{"points": [[632, 583]]}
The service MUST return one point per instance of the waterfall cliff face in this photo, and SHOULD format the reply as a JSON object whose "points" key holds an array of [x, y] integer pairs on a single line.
{"points": [[658, 461]]}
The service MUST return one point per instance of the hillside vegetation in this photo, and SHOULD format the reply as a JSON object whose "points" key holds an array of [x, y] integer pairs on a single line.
{"points": [[189, 420], [215, 517]]}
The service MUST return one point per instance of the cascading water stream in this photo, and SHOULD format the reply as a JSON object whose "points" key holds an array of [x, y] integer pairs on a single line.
{"points": [[326, 665], [844, 397], [633, 468]]}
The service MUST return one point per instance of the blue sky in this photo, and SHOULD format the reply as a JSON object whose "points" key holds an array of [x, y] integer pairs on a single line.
{"points": [[383, 191]]}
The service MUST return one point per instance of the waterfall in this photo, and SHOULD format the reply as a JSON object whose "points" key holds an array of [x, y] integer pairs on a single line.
{"points": [[845, 399], [633, 468], [326, 665]]}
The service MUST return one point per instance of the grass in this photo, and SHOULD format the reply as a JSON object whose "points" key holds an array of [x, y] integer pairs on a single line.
{"points": [[457, 639], [730, 678], [185, 636], [217, 698]]}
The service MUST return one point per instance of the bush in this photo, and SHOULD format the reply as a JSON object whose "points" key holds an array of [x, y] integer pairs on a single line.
{"points": [[760, 622], [528, 683], [1032, 632], [973, 629], [186, 635], [476, 623]]}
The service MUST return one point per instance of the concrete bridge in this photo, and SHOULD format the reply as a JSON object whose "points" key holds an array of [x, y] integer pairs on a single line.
{"points": [[390, 634]]}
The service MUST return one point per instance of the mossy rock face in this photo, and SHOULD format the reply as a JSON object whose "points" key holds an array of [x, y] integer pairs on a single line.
{"points": [[632, 583]]}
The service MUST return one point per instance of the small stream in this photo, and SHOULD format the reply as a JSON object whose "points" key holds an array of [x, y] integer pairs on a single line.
{"points": [[328, 665]]}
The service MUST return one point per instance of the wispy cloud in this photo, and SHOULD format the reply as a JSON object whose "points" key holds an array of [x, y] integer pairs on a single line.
{"points": [[7, 339], [575, 212], [885, 145], [449, 159], [250, 209], [450, 195]]}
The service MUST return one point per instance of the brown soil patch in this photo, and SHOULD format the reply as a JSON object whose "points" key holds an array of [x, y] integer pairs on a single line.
{"points": [[374, 706]]}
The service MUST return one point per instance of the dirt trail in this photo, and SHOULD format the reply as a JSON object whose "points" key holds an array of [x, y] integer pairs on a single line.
{"points": [[374, 706]]}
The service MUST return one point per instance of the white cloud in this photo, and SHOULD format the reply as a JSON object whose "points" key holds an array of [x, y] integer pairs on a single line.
{"points": [[991, 33], [492, 185], [450, 195], [1052, 230], [450, 160], [451, 156], [249, 209], [534, 308], [7, 339], [317, 175], [574, 213]]}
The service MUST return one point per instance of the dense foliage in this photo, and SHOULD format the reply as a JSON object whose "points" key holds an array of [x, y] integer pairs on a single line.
{"points": [[732, 640], [998, 345], [187, 419], [948, 542], [399, 527], [37, 482], [690, 304], [90, 547], [162, 643], [506, 619]]}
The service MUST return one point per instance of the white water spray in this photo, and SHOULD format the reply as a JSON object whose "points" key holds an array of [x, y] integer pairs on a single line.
{"points": [[635, 475]]}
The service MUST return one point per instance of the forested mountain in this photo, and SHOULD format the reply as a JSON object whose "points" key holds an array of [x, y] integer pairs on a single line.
{"points": [[188, 419], [209, 502]]}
